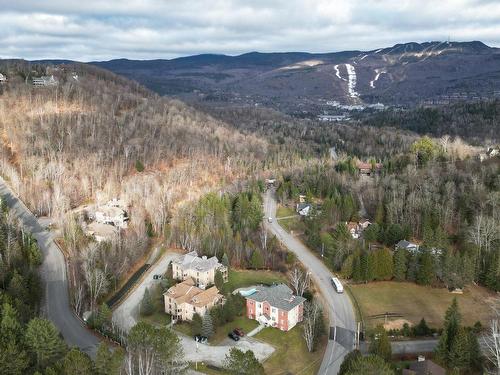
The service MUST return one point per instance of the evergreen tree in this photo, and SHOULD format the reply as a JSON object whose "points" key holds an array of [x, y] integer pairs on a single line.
{"points": [[44, 342], [383, 265], [77, 363], [147, 306], [207, 327], [400, 264], [452, 320], [421, 329], [219, 280], [196, 324], [257, 261], [225, 260], [380, 344], [458, 356], [357, 273], [348, 362], [425, 273], [370, 365], [238, 362]]}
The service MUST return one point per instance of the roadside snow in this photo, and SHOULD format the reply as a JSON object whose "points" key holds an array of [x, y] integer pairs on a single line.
{"points": [[351, 85]]}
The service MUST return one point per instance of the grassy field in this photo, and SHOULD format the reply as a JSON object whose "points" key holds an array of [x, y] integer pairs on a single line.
{"points": [[291, 223], [291, 355], [244, 278], [159, 318], [415, 302], [283, 211]]}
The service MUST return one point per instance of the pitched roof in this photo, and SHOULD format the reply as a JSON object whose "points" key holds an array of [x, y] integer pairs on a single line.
{"points": [[406, 244], [193, 261], [187, 292], [279, 295], [427, 367]]}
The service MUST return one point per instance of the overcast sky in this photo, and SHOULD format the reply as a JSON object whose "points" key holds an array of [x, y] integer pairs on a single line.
{"points": [[88, 30]]}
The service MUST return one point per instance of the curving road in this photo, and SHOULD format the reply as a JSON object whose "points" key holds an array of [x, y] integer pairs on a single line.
{"points": [[339, 307], [56, 305]]}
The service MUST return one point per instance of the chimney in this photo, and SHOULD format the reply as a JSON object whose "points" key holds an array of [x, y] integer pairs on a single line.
{"points": [[421, 358]]}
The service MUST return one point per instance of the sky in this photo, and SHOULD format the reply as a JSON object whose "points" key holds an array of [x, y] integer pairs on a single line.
{"points": [[91, 30]]}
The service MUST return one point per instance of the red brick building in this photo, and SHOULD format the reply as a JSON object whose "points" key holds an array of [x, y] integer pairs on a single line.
{"points": [[275, 306]]}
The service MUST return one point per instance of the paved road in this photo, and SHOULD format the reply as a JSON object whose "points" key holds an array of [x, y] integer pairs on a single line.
{"points": [[339, 307], [125, 315], [56, 305]]}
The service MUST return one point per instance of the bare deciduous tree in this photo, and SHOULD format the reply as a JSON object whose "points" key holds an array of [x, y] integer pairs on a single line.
{"points": [[492, 340], [312, 312], [300, 281]]}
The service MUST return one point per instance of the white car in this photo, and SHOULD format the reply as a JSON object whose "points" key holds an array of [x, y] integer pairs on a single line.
{"points": [[270, 219]]}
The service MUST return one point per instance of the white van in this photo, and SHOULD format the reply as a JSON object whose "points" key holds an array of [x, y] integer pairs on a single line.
{"points": [[337, 285]]}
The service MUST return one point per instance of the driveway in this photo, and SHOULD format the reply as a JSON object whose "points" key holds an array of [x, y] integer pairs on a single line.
{"points": [[125, 315], [215, 355], [55, 305], [338, 306]]}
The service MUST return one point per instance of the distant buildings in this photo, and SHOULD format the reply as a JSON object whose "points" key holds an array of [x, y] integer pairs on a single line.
{"points": [[3, 78], [356, 229], [303, 209], [101, 232], [200, 269], [408, 246], [424, 367], [183, 300], [275, 306], [45, 81], [490, 152], [369, 168]]}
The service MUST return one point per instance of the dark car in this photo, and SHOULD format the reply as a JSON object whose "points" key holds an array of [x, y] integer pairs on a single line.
{"points": [[233, 336], [201, 339], [239, 332]]}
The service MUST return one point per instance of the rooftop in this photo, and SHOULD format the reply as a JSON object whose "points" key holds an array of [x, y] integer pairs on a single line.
{"points": [[279, 295], [193, 261], [188, 292]]}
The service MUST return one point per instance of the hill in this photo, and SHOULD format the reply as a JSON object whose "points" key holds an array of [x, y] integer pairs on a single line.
{"points": [[405, 74]]}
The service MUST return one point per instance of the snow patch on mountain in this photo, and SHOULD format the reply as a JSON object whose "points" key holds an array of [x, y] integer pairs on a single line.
{"points": [[351, 84], [337, 72], [378, 73]]}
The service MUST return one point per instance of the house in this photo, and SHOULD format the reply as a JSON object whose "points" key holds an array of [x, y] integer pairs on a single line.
{"points": [[424, 367], [353, 229], [111, 214], [363, 224], [408, 246], [275, 306], [45, 81], [200, 269], [3, 78], [303, 209], [185, 299], [492, 151], [101, 232], [369, 168]]}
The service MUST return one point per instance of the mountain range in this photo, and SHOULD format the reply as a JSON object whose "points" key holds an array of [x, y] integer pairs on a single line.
{"points": [[405, 74]]}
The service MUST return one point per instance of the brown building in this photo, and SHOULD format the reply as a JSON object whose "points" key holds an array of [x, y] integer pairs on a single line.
{"points": [[424, 367], [185, 299]]}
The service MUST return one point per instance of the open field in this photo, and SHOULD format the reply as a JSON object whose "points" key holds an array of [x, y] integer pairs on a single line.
{"points": [[244, 278], [291, 355], [415, 302], [290, 223], [283, 211]]}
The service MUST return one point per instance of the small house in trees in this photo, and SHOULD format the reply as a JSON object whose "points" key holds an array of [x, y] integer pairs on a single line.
{"points": [[303, 209], [185, 299], [45, 81], [3, 78], [368, 168], [111, 213], [408, 246], [102, 232], [275, 306], [200, 269], [424, 367], [354, 229]]}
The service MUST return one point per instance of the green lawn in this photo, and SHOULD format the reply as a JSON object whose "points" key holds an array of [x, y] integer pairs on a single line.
{"points": [[158, 318], [205, 370], [291, 355], [283, 211], [244, 278], [183, 327], [415, 302], [240, 322]]}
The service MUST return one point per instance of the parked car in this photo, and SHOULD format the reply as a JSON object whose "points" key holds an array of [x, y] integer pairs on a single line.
{"points": [[157, 277], [201, 339], [239, 332], [233, 336], [270, 219]]}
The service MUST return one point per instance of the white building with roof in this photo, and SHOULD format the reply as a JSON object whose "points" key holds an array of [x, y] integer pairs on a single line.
{"points": [[200, 269]]}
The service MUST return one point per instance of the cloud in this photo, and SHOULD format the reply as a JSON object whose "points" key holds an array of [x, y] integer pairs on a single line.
{"points": [[146, 29]]}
